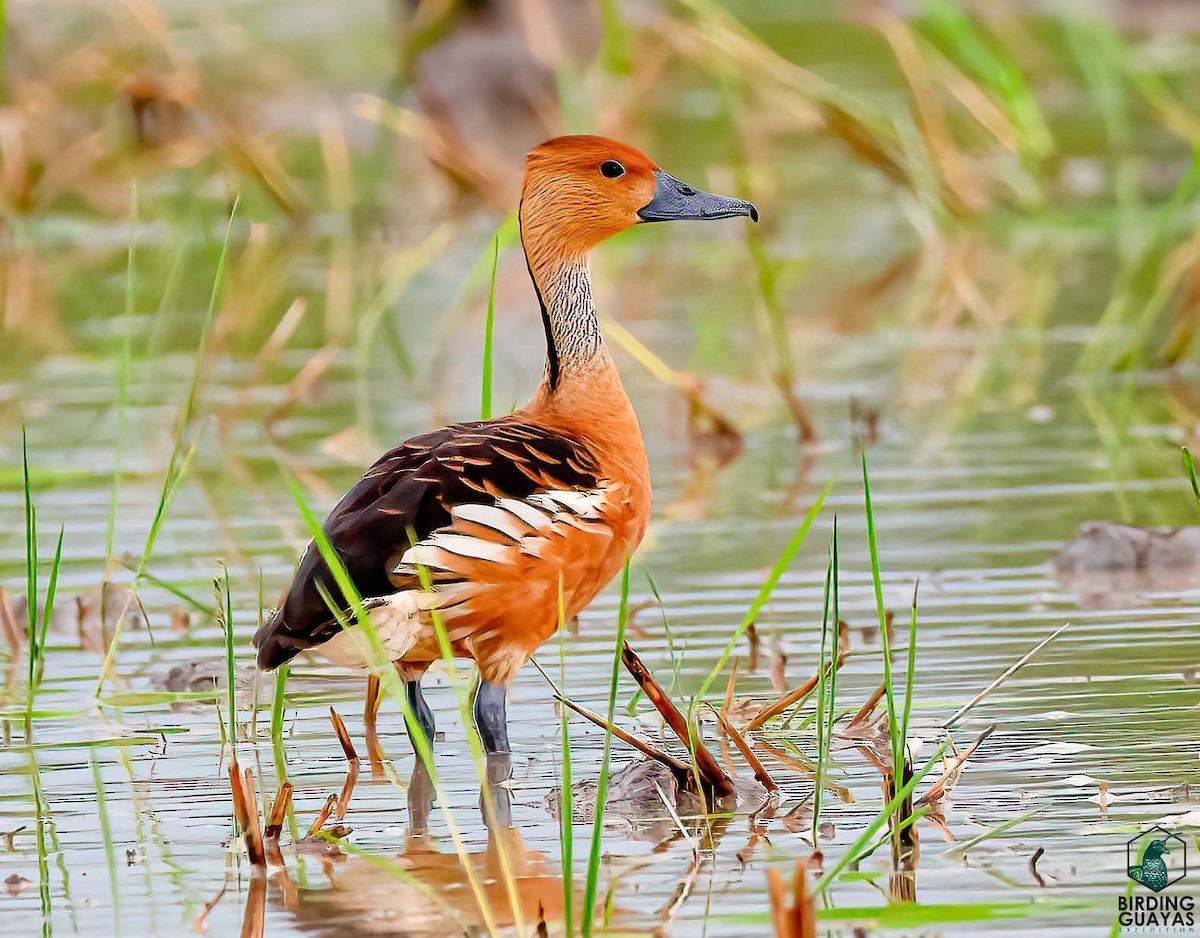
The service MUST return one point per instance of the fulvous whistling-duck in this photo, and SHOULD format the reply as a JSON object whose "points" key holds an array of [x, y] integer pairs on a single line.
{"points": [[505, 513]]}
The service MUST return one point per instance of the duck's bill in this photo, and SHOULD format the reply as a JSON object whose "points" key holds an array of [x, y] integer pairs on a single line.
{"points": [[677, 201]]}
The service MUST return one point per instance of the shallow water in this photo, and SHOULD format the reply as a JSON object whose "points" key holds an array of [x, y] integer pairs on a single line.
{"points": [[977, 478]]}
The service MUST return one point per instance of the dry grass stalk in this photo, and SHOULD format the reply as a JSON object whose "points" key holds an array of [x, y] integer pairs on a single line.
{"points": [[778, 665], [254, 917], [240, 812], [787, 700], [711, 773], [727, 701], [9, 838], [904, 843], [805, 768], [343, 737], [752, 643], [681, 769], [1008, 672], [309, 375], [800, 920], [343, 801], [951, 775], [9, 621], [198, 924], [706, 424], [245, 811], [323, 816], [865, 711], [253, 834], [279, 810], [760, 771], [963, 190]]}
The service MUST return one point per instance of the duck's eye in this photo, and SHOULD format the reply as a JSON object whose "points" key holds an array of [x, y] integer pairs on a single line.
{"points": [[611, 169]]}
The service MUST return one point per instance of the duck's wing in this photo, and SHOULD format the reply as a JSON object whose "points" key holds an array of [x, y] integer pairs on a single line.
{"points": [[409, 494]]}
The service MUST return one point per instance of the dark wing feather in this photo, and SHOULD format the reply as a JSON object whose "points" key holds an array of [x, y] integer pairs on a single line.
{"points": [[407, 494]]}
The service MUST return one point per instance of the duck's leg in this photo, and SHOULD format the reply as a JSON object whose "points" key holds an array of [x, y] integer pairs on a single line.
{"points": [[420, 709], [490, 717], [370, 711], [411, 675]]}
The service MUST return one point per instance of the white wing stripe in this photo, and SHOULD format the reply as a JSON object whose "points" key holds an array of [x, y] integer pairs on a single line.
{"points": [[586, 504], [494, 517], [530, 514]]}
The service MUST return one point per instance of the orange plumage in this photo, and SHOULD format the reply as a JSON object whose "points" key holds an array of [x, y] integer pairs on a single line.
{"points": [[506, 514]]}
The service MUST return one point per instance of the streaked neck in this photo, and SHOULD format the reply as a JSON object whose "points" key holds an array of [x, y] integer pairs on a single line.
{"points": [[573, 339], [574, 343]]}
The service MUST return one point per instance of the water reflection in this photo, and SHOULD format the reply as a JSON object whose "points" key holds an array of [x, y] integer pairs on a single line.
{"points": [[424, 891]]}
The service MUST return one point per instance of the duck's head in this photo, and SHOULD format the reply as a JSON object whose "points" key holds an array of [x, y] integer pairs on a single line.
{"points": [[581, 190]]}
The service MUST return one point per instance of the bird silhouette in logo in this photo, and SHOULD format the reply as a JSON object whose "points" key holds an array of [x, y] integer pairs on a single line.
{"points": [[1152, 871]]}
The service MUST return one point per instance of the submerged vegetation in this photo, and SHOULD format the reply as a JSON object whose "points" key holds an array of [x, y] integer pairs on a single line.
{"points": [[240, 258]]}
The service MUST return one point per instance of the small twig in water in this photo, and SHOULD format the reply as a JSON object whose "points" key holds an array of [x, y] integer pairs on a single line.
{"points": [[1033, 861]]}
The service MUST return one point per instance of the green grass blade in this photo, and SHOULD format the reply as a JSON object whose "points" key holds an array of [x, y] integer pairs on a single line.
{"points": [[1190, 468], [37, 651], [835, 639], [822, 741], [31, 558], [593, 870], [177, 469], [119, 435], [911, 665], [122, 377], [615, 50], [42, 826], [485, 391], [997, 70], [566, 808], [226, 601], [863, 842], [764, 594], [958, 851], [885, 639], [279, 703], [110, 856]]}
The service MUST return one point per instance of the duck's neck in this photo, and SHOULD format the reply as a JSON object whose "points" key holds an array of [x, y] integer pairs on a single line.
{"points": [[574, 345], [581, 392]]}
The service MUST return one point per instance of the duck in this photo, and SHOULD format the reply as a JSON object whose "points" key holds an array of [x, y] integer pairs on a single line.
{"points": [[516, 523], [1152, 871]]}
